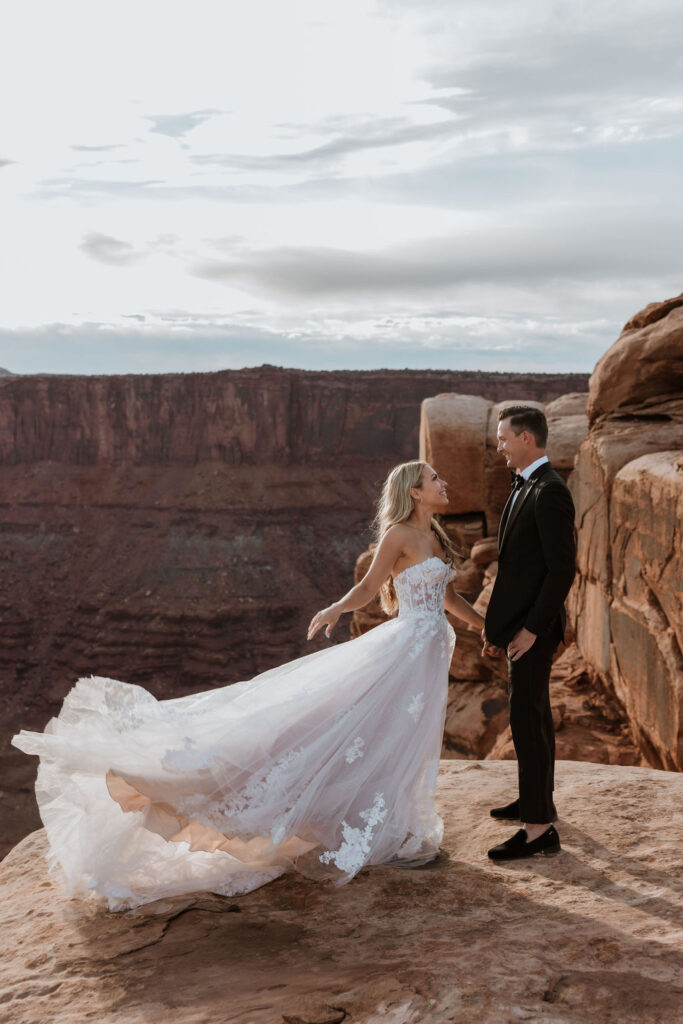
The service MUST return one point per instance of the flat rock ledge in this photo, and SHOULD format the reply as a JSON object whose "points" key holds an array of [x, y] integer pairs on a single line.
{"points": [[592, 935]]}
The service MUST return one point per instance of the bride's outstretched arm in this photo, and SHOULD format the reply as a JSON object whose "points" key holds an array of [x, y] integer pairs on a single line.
{"points": [[462, 609], [386, 555]]}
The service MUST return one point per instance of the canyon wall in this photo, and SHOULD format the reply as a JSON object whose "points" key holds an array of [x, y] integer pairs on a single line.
{"points": [[243, 417], [627, 605], [178, 531]]}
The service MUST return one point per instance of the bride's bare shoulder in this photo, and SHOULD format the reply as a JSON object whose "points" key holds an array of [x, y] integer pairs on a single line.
{"points": [[397, 536], [398, 530]]}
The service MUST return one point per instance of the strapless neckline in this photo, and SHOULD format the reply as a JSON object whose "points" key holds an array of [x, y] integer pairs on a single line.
{"points": [[432, 558]]}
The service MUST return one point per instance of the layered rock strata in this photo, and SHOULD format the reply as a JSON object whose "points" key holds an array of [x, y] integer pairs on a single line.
{"points": [[628, 489]]}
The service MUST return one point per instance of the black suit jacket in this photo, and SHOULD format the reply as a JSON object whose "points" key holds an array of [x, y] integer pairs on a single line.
{"points": [[536, 560]]}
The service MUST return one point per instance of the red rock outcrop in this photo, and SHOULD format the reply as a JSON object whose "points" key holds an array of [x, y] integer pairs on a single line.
{"points": [[178, 530], [592, 935], [628, 489], [643, 370]]}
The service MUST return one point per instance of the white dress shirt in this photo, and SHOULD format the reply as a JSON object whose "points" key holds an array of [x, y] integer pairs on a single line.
{"points": [[526, 473]]}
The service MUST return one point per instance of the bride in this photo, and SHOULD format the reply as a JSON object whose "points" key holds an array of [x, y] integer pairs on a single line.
{"points": [[324, 765]]}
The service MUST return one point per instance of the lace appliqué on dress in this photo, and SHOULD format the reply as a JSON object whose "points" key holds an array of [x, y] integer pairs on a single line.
{"points": [[421, 590], [355, 751], [127, 704], [186, 758], [260, 789], [429, 628], [416, 706], [355, 846]]}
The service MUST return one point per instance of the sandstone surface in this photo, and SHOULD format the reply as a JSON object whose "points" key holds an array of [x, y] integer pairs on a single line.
{"points": [[178, 530], [573, 404], [608, 447], [591, 936], [565, 434], [485, 551], [461, 465], [646, 612], [644, 368], [628, 491]]}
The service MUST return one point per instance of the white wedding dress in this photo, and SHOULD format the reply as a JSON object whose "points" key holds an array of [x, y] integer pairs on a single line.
{"points": [[324, 765]]}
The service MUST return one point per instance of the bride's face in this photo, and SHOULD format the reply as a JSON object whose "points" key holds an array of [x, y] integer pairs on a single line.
{"points": [[433, 490]]}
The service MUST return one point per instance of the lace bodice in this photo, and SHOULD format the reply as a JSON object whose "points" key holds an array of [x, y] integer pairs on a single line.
{"points": [[421, 588]]}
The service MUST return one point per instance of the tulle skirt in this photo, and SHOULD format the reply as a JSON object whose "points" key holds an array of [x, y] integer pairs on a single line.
{"points": [[323, 765]]}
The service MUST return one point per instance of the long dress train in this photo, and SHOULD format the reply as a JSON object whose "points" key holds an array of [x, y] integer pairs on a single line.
{"points": [[323, 765]]}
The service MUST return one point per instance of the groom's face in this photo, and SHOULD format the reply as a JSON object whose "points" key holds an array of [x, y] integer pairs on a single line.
{"points": [[511, 445]]}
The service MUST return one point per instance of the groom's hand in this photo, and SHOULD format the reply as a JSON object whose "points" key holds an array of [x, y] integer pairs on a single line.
{"points": [[489, 649], [520, 644], [492, 650]]}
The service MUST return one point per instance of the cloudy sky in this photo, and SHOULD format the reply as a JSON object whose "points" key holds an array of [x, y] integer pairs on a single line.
{"points": [[465, 184]]}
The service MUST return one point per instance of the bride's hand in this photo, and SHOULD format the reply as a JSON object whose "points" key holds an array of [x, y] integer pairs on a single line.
{"points": [[327, 617]]}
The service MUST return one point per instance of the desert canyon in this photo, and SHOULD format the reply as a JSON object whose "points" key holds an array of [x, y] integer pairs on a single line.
{"points": [[176, 532]]}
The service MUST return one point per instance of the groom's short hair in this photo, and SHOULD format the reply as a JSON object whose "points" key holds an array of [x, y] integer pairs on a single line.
{"points": [[525, 417]]}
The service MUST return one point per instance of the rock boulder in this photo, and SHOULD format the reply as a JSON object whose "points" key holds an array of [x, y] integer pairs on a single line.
{"points": [[453, 441], [644, 368]]}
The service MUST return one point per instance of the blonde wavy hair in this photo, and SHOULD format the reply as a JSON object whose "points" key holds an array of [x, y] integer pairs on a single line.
{"points": [[395, 505]]}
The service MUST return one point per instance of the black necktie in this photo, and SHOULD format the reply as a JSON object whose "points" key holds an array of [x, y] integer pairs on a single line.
{"points": [[517, 481]]}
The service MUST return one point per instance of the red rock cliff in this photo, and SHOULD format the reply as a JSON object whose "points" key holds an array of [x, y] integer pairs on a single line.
{"points": [[251, 417], [628, 489]]}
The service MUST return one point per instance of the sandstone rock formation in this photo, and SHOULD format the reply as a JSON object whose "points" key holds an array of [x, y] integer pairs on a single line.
{"points": [[178, 530], [628, 489], [461, 464], [643, 370], [591, 935]]}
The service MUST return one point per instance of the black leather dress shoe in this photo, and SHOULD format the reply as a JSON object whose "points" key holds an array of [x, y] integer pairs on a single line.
{"points": [[511, 812], [517, 847], [508, 813]]}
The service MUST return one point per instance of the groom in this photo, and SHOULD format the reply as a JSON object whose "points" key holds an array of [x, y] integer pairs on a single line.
{"points": [[526, 618]]}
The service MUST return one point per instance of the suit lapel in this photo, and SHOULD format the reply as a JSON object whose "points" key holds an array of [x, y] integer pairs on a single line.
{"points": [[507, 524], [502, 526]]}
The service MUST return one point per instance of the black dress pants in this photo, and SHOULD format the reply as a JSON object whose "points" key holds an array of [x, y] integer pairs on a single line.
{"points": [[533, 734]]}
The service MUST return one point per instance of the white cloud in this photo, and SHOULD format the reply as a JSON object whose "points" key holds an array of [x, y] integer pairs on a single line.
{"points": [[111, 251]]}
